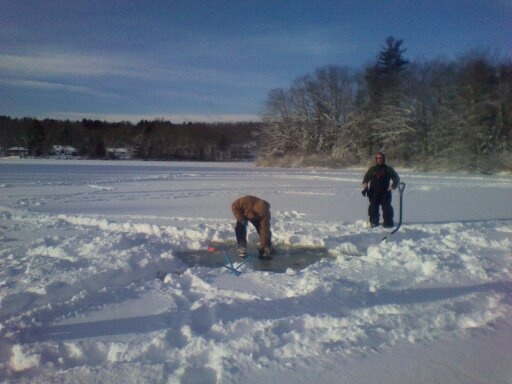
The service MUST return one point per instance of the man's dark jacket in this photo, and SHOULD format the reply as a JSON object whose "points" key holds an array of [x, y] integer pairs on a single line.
{"points": [[379, 177]]}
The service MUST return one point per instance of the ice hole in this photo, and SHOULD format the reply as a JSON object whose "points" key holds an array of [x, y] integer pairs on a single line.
{"points": [[294, 257]]}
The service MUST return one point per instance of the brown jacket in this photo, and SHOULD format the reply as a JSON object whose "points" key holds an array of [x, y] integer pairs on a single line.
{"points": [[257, 211]]}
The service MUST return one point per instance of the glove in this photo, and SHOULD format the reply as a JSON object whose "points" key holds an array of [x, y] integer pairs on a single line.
{"points": [[364, 192]]}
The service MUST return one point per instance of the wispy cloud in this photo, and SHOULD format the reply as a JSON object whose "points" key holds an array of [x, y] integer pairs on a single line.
{"points": [[298, 41], [54, 64], [72, 65], [46, 85]]}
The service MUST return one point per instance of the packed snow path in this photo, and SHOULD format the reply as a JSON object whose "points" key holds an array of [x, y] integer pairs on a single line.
{"points": [[82, 243]]}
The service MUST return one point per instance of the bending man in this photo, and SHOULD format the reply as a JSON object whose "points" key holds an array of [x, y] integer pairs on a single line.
{"points": [[257, 211]]}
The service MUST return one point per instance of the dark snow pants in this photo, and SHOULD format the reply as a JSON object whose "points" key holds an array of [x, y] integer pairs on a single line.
{"points": [[241, 232], [382, 199]]}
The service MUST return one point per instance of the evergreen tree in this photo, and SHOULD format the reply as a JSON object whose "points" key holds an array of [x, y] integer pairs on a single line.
{"points": [[387, 116]]}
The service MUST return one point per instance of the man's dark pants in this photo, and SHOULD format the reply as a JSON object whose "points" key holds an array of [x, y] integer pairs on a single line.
{"points": [[241, 232], [381, 199]]}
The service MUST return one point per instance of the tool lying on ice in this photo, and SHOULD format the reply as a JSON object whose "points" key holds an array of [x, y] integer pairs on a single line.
{"points": [[233, 269]]}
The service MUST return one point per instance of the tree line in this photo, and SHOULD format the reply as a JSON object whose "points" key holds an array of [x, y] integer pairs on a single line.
{"points": [[156, 139], [428, 114]]}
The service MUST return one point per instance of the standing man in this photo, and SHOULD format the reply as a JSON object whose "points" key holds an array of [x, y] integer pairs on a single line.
{"points": [[379, 177], [257, 211]]}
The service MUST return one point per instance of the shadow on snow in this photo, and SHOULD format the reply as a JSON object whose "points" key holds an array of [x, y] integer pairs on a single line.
{"points": [[258, 309]]}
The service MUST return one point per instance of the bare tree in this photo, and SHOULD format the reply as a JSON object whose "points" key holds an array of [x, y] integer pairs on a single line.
{"points": [[311, 115]]}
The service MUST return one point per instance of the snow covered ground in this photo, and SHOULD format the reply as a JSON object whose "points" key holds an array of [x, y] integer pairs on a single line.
{"points": [[81, 244]]}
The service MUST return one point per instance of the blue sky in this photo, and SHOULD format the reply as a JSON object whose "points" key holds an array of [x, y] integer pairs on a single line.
{"points": [[212, 60]]}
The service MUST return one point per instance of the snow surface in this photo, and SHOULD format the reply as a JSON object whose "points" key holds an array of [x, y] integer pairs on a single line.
{"points": [[83, 241]]}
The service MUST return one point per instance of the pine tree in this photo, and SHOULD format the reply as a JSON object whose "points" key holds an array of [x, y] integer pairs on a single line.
{"points": [[387, 113]]}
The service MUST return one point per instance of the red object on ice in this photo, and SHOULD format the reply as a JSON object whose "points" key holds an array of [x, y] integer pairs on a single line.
{"points": [[211, 249]]}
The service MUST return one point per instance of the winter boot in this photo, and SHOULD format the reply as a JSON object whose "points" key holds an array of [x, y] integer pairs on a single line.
{"points": [[242, 252], [266, 253]]}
